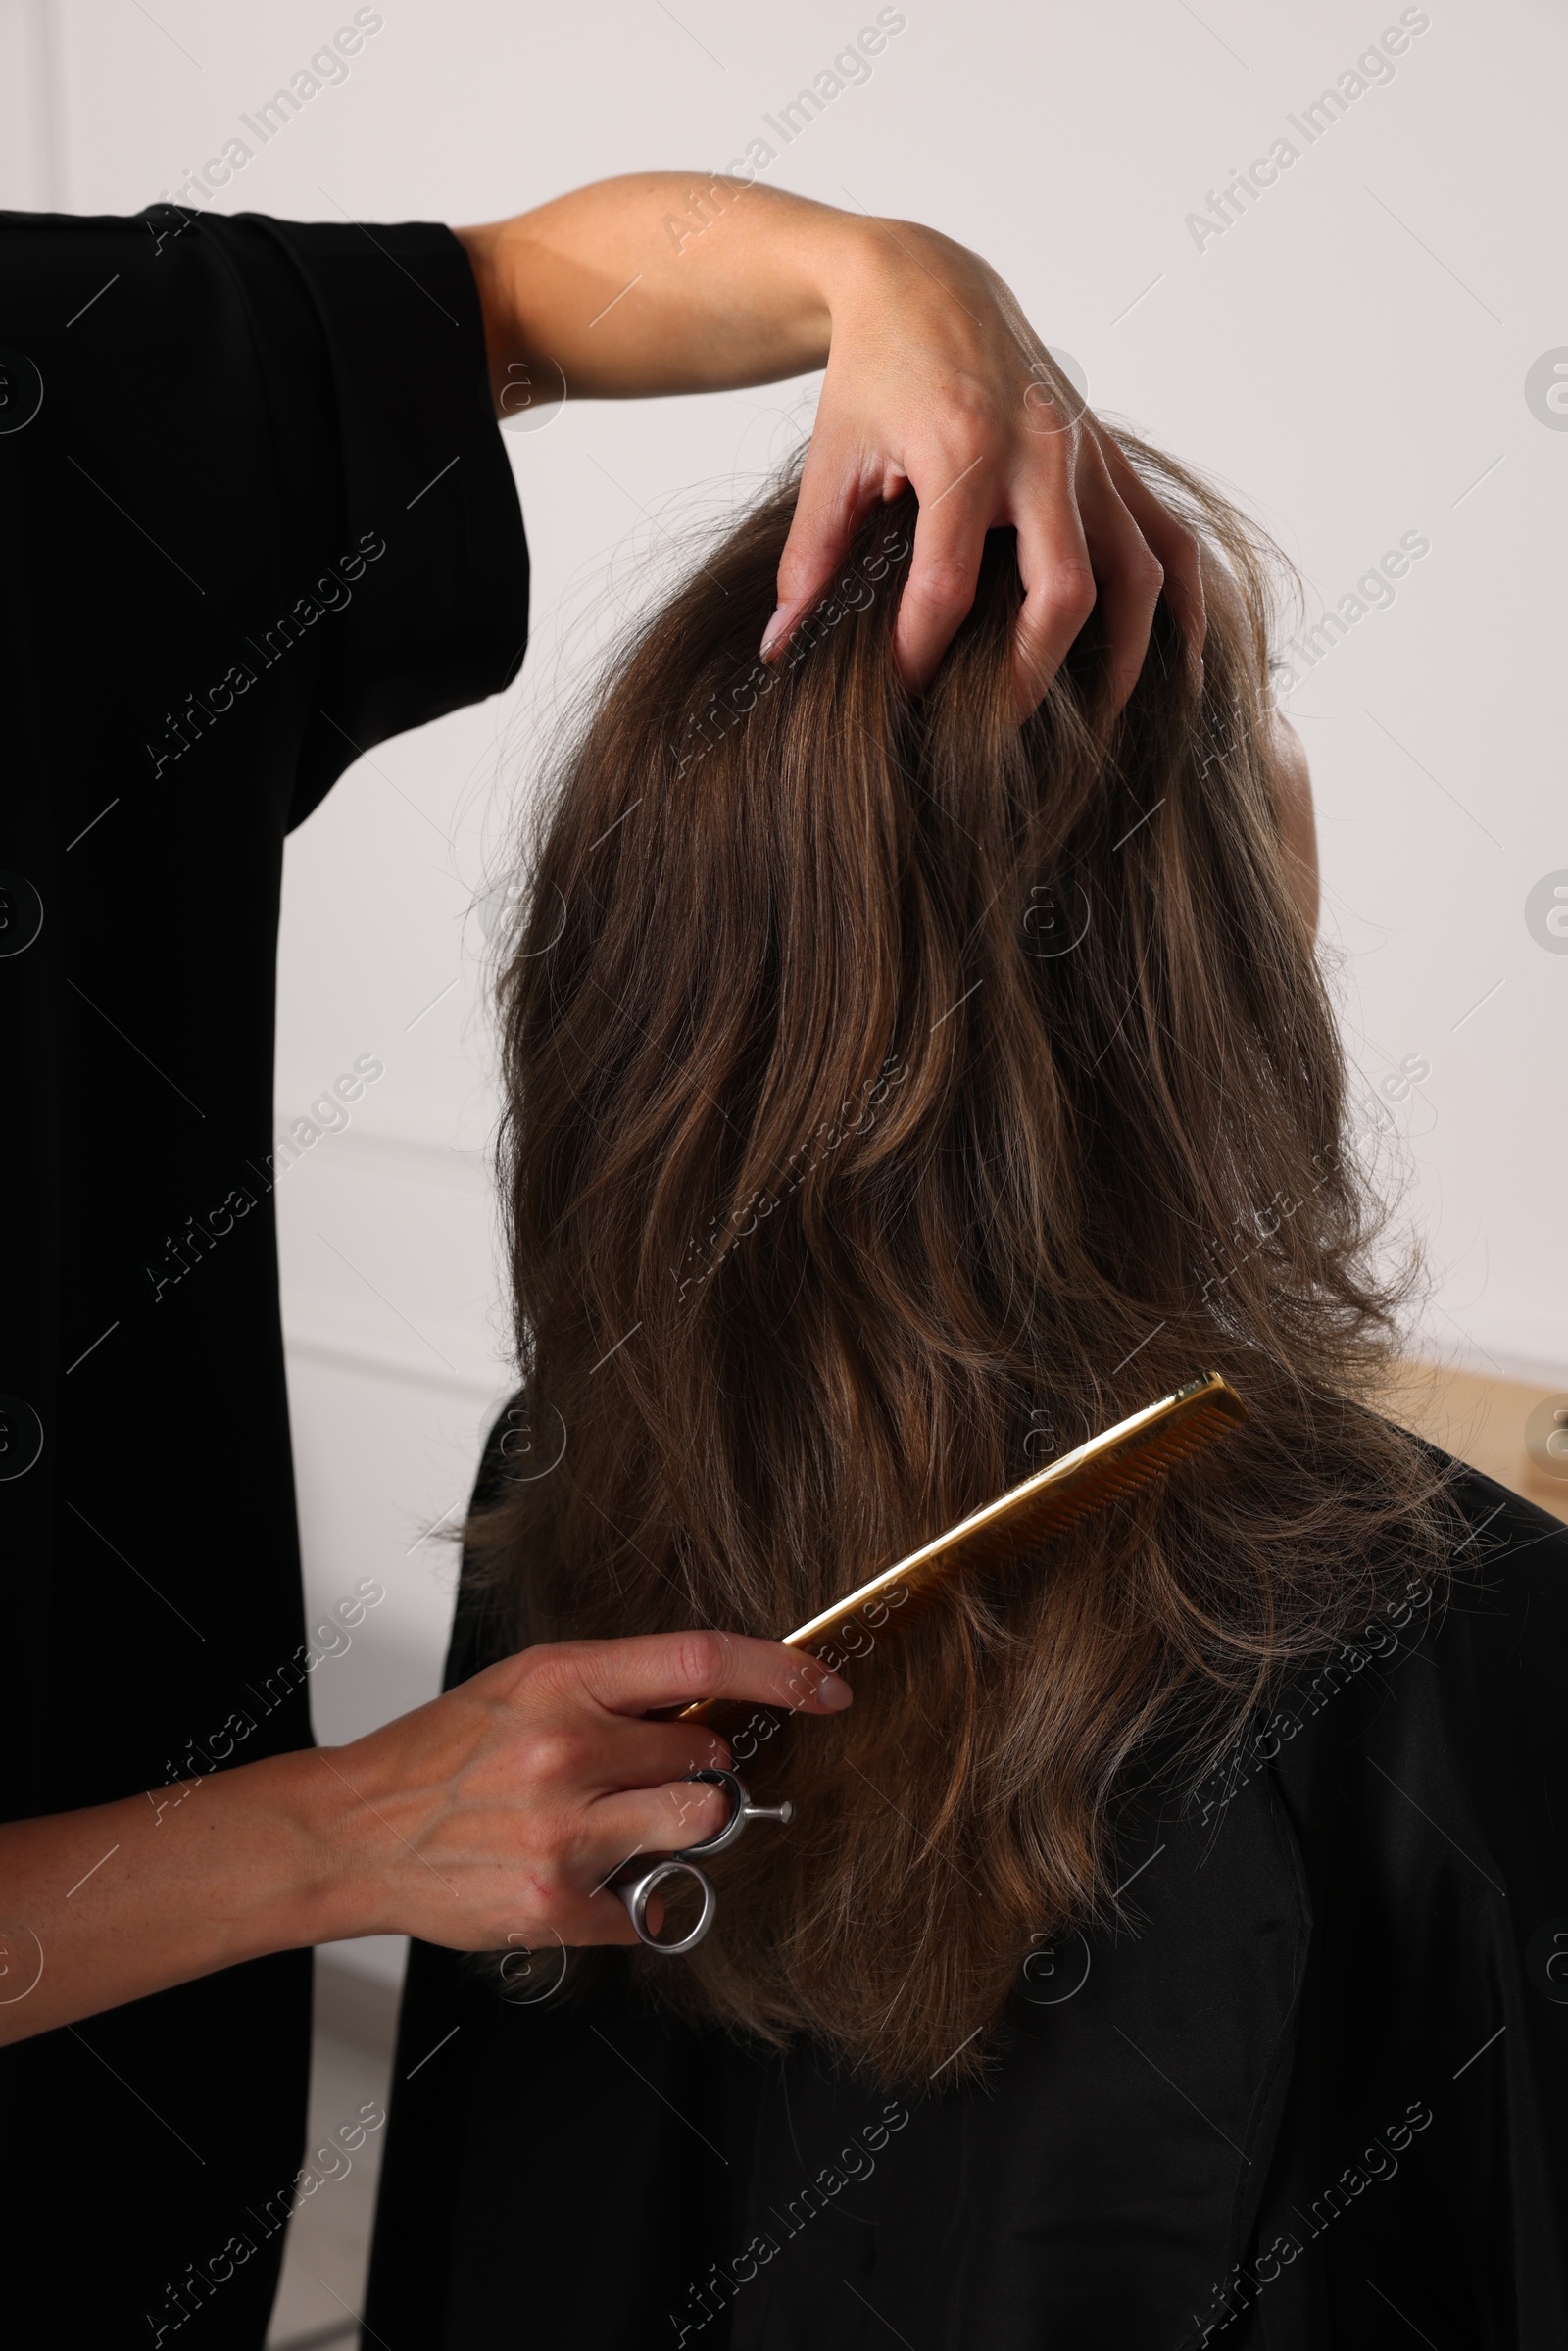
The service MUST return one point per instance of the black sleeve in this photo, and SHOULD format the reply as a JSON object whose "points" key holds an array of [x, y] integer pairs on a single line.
{"points": [[251, 481], [433, 560]]}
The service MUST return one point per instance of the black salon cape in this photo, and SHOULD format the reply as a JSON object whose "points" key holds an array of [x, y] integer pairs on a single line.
{"points": [[1318, 2099], [260, 516]]}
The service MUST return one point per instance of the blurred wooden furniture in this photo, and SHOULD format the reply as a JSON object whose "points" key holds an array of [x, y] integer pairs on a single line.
{"points": [[1481, 1420]]}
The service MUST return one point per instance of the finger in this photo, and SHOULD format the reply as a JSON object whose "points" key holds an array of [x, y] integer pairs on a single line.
{"points": [[1175, 546], [676, 1669], [583, 1922], [833, 501], [572, 1893], [949, 538], [1059, 581], [650, 1821], [1128, 575], [631, 1752], [620, 1835]]}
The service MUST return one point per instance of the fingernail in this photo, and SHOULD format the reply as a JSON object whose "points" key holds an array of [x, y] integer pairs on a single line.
{"points": [[771, 631], [834, 1692]]}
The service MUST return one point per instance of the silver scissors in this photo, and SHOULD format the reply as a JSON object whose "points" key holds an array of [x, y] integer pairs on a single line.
{"points": [[635, 1890]]}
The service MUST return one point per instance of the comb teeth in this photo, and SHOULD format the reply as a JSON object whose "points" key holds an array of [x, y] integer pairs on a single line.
{"points": [[1115, 1477]]}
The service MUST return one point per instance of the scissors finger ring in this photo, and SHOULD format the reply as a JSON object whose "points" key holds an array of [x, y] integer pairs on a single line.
{"points": [[635, 1890]]}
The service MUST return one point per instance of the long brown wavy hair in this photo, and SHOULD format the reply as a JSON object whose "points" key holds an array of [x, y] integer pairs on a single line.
{"points": [[894, 1096]]}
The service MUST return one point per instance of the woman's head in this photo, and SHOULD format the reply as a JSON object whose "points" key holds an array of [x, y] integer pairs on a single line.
{"points": [[895, 1097]]}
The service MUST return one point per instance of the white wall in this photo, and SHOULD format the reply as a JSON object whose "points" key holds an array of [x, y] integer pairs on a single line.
{"points": [[1352, 355]]}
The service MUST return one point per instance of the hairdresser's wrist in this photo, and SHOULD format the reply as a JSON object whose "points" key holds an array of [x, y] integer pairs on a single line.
{"points": [[275, 1854], [836, 269], [862, 266], [329, 1882]]}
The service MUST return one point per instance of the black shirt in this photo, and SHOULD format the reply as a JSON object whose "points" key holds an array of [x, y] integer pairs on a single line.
{"points": [[255, 516], [1316, 2099]]}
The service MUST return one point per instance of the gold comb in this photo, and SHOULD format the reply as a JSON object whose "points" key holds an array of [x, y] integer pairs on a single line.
{"points": [[1021, 1521]]}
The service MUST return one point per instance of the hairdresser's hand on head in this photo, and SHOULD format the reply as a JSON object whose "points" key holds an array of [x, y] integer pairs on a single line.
{"points": [[667, 282], [493, 1815], [936, 380]]}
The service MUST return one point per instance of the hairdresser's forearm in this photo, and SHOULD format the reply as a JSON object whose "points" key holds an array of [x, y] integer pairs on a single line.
{"points": [[124, 1899], [670, 282]]}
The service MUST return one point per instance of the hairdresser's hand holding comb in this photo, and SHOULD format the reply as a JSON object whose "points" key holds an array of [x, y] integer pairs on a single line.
{"points": [[491, 1816], [500, 1810], [670, 282]]}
